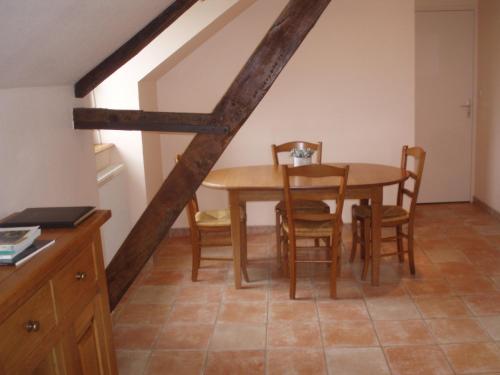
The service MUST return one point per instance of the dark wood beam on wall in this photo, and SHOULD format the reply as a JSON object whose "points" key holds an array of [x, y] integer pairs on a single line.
{"points": [[243, 96], [131, 48], [112, 119]]}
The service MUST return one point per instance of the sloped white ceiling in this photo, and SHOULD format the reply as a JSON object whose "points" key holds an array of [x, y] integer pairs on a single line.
{"points": [[56, 42]]}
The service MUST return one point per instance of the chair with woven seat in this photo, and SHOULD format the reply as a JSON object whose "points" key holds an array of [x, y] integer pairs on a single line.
{"points": [[395, 216], [302, 205], [212, 229], [313, 224]]}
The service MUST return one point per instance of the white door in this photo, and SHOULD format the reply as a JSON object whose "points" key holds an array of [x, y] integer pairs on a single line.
{"points": [[444, 93]]}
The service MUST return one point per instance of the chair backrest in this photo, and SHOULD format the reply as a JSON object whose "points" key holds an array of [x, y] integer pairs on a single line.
{"points": [[289, 146], [313, 172], [191, 207], [418, 154]]}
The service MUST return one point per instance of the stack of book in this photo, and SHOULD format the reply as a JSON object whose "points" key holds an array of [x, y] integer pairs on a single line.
{"points": [[19, 244]]}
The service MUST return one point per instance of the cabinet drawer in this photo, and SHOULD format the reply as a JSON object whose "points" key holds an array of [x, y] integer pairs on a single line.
{"points": [[27, 327], [76, 282]]}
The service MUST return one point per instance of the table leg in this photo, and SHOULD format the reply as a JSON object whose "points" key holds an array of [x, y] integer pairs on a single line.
{"points": [[234, 208], [376, 200]]}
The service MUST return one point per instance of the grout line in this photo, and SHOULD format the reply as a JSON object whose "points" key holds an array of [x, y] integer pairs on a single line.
{"points": [[268, 297], [372, 321], [321, 335], [207, 351]]}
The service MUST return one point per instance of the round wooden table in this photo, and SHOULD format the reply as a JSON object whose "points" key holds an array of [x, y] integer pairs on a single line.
{"points": [[265, 183]]}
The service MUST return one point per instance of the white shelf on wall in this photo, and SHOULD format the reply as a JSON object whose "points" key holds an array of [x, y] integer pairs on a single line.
{"points": [[106, 174]]}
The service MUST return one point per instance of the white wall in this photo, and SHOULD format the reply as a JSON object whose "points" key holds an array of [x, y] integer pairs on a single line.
{"points": [[350, 84], [487, 179], [43, 160], [112, 194], [141, 153]]}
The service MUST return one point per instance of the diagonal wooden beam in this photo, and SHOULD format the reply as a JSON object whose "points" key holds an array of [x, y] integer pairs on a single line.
{"points": [[100, 118], [243, 96], [131, 48]]}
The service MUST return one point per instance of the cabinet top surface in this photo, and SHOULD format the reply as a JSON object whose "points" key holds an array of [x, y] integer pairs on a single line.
{"points": [[38, 268]]}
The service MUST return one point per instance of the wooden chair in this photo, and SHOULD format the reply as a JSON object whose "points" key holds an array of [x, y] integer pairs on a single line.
{"points": [[212, 228], [303, 205], [313, 224], [392, 216]]}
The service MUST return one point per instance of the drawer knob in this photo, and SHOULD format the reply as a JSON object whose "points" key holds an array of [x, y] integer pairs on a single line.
{"points": [[81, 275], [32, 326]]}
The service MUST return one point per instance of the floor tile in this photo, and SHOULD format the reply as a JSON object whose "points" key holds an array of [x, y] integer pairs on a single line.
{"points": [[244, 294], [492, 325], [297, 362], [184, 336], [428, 288], [212, 276], [144, 314], [236, 312], [348, 333], [135, 337], [281, 334], [403, 332], [193, 313], [384, 291], [239, 337], [157, 294], [166, 277], [177, 362], [473, 357], [196, 293], [342, 310], [457, 330], [446, 256], [293, 310], [417, 360], [397, 308], [463, 285], [132, 362], [451, 307], [359, 361], [484, 304], [452, 269], [236, 362]]}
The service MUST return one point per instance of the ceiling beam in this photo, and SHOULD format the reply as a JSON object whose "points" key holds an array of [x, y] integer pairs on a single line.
{"points": [[131, 48], [243, 96], [112, 119]]}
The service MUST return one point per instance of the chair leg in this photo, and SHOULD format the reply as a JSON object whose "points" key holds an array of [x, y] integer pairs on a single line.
{"points": [[367, 246], [278, 237], [411, 256], [244, 252], [362, 238], [333, 271], [399, 241], [196, 248], [354, 225], [293, 270], [285, 260], [316, 242]]}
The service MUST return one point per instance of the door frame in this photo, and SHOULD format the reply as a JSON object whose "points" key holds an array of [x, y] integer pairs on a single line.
{"points": [[434, 6]]}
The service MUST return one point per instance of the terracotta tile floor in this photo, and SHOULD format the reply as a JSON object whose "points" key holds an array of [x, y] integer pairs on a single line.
{"points": [[443, 320]]}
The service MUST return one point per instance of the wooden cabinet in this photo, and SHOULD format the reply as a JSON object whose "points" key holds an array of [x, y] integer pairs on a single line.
{"points": [[54, 314]]}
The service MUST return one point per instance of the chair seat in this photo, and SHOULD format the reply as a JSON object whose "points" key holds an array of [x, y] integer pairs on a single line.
{"points": [[311, 229], [215, 218], [389, 213], [303, 205]]}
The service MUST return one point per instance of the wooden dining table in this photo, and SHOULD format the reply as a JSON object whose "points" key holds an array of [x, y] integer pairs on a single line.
{"points": [[265, 183]]}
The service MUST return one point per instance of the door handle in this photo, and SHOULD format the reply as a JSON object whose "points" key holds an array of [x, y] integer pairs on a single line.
{"points": [[468, 107]]}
